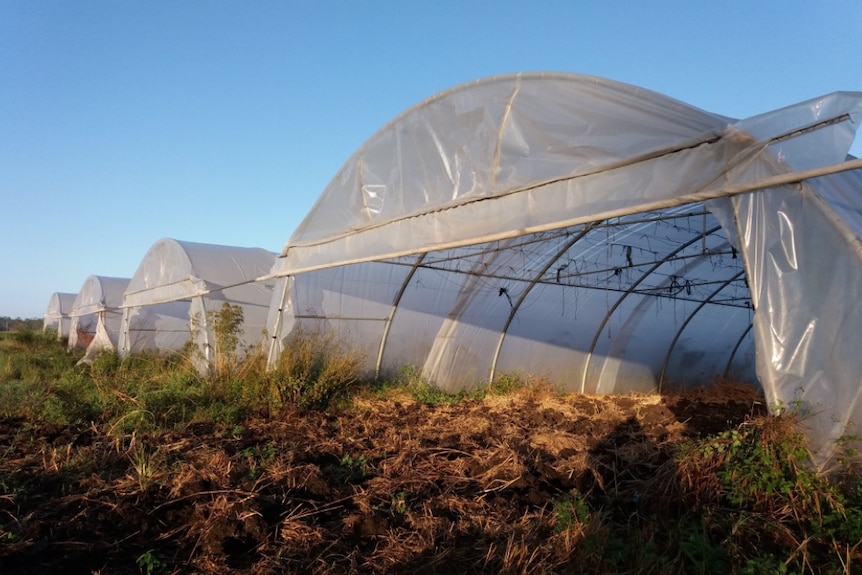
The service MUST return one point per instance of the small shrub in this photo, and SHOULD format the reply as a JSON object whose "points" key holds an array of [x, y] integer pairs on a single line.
{"points": [[226, 328], [26, 337], [314, 370], [505, 383], [763, 464], [257, 456], [701, 554], [766, 565], [21, 400]]}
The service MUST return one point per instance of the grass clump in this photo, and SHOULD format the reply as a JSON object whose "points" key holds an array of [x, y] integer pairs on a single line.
{"points": [[40, 381], [316, 370], [32, 357], [410, 380]]}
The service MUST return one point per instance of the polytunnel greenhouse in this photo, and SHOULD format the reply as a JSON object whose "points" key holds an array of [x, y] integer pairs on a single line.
{"points": [[179, 285], [598, 234], [96, 316], [56, 317]]}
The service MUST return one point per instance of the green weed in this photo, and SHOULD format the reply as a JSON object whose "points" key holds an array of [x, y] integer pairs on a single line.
{"points": [[570, 510], [745, 500], [410, 379], [257, 456], [756, 485], [149, 564], [351, 469], [31, 358], [226, 325], [147, 465], [316, 370], [398, 504]]}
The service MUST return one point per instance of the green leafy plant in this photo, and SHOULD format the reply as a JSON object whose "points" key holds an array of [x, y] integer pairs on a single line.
{"points": [[702, 555], [506, 383], [352, 469], [763, 464], [756, 483], [569, 510], [149, 564], [398, 504], [258, 455]]}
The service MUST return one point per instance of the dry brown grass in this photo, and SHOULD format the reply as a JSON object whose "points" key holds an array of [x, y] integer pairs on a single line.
{"points": [[527, 482]]}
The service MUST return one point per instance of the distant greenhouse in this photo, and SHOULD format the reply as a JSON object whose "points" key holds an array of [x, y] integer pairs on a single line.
{"points": [[179, 285], [96, 316], [57, 317], [607, 237]]}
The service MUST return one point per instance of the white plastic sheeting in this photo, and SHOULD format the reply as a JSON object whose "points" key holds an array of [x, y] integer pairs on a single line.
{"points": [[595, 233], [56, 317], [178, 285], [96, 315], [803, 247]]}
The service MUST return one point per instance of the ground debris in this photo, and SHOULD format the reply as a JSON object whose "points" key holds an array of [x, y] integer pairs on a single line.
{"points": [[383, 487]]}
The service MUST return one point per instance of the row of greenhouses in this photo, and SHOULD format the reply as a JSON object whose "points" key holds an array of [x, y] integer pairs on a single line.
{"points": [[169, 303], [602, 236]]}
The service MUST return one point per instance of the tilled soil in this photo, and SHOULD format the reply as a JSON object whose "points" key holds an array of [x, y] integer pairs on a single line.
{"points": [[388, 486]]}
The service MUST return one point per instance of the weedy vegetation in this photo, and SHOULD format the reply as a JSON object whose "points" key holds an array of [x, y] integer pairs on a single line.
{"points": [[148, 465]]}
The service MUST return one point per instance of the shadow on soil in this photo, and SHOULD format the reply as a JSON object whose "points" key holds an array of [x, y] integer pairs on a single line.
{"points": [[516, 484]]}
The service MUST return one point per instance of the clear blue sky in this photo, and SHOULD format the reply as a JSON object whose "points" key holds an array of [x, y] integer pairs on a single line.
{"points": [[125, 122]]}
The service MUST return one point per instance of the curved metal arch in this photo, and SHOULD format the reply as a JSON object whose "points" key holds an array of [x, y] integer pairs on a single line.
{"points": [[736, 348], [688, 320], [628, 292], [417, 264], [395, 302], [566, 247]]}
